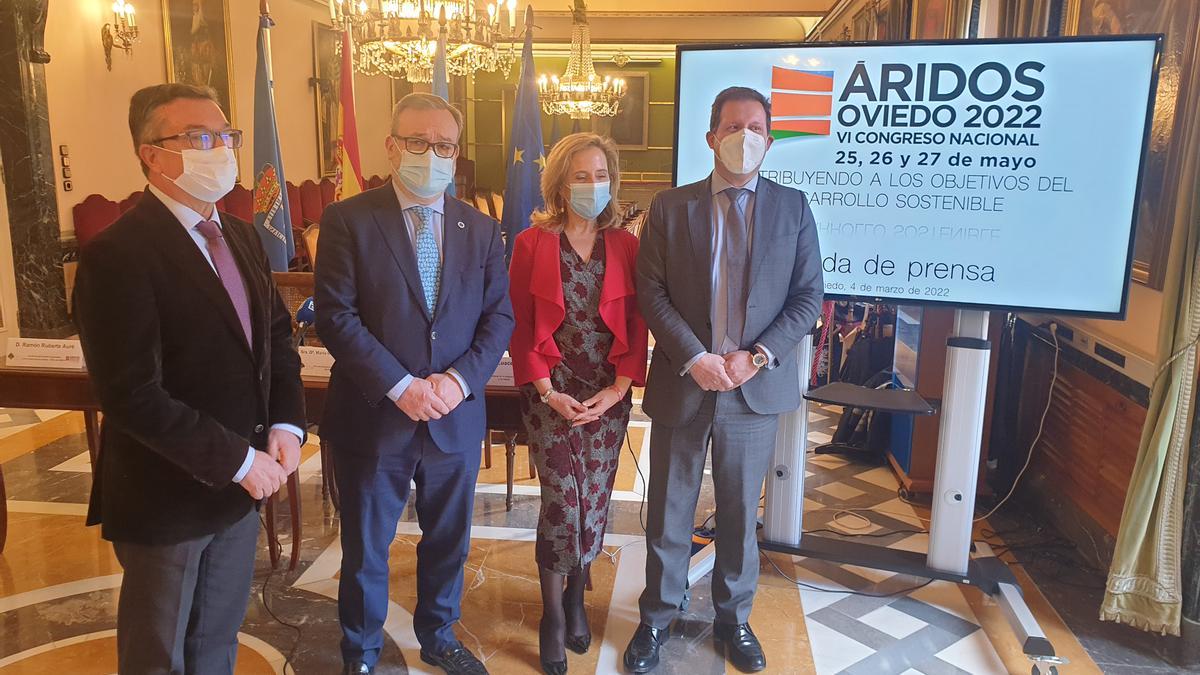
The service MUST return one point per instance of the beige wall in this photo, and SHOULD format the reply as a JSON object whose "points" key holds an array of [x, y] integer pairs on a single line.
{"points": [[89, 104]]}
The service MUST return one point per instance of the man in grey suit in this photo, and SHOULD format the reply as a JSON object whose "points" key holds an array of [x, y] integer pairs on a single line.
{"points": [[724, 366]]}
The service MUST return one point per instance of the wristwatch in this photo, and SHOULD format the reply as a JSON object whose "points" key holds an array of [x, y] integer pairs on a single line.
{"points": [[546, 396], [759, 359]]}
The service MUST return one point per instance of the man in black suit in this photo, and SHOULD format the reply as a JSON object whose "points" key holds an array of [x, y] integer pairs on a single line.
{"points": [[189, 349]]}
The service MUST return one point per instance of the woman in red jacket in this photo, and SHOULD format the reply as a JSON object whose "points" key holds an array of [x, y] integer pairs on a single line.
{"points": [[578, 347]]}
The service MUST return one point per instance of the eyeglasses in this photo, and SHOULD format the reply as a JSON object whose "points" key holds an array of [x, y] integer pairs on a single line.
{"points": [[420, 146], [206, 139]]}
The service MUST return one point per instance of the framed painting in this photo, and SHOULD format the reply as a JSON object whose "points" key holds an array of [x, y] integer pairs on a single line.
{"points": [[864, 22], [326, 67], [196, 37], [930, 19], [1174, 106], [630, 127]]}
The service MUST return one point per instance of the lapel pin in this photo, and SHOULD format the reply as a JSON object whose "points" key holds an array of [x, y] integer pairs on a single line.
{"points": [[462, 225]]}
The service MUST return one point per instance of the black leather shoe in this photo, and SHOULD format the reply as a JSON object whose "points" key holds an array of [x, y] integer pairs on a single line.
{"points": [[740, 646], [456, 660], [357, 668], [641, 656]]}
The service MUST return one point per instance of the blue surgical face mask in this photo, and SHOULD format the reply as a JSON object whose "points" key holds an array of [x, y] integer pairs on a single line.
{"points": [[425, 175], [588, 200]]}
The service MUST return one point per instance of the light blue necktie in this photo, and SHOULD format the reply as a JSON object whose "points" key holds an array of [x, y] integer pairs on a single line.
{"points": [[428, 261]]}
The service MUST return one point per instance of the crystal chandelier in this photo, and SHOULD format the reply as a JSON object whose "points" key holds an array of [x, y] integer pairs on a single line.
{"points": [[580, 93], [398, 38]]}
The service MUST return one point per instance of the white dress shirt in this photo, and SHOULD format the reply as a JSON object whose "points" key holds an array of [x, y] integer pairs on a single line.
{"points": [[190, 219], [412, 221], [719, 272]]}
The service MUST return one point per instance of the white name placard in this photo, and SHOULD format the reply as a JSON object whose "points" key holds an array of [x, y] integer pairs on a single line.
{"points": [[41, 353], [503, 377], [315, 361]]}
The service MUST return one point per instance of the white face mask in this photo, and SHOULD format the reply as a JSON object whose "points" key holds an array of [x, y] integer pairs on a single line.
{"points": [[742, 152], [425, 175], [588, 200], [207, 175]]}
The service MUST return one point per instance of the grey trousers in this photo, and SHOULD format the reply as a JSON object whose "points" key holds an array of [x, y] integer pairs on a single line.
{"points": [[182, 604], [743, 443]]}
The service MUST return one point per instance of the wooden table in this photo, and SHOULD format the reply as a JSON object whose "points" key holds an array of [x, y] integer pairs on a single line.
{"points": [[71, 390]]}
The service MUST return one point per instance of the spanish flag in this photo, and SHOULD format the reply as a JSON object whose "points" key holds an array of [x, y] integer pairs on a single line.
{"points": [[349, 168]]}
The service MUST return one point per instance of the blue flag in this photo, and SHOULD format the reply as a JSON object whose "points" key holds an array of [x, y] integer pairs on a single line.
{"points": [[523, 193], [272, 217]]}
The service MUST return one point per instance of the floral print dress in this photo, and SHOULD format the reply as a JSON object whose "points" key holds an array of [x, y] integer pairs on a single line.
{"points": [[576, 466]]}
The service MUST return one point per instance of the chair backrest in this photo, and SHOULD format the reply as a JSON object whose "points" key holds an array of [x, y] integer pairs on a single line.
{"points": [[297, 211], [295, 288], [240, 203], [328, 191], [310, 202], [130, 201], [497, 200], [310, 236], [481, 203], [92, 216]]}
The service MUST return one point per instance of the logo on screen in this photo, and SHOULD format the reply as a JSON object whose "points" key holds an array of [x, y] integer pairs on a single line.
{"points": [[801, 102]]}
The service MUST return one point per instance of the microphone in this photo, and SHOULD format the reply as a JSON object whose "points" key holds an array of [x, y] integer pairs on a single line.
{"points": [[306, 315]]}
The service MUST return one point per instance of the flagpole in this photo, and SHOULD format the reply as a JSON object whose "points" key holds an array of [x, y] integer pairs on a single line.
{"points": [[264, 10]]}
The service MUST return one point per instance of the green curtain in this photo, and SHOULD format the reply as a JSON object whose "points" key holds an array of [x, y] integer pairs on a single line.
{"points": [[1144, 586]]}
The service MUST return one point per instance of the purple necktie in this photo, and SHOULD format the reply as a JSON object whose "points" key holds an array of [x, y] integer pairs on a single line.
{"points": [[227, 270]]}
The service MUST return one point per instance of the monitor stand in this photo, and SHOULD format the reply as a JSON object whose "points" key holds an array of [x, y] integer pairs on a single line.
{"points": [[950, 532]]}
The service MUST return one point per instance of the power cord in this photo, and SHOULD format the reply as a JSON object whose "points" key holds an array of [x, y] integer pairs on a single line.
{"points": [[612, 557], [1041, 427], [287, 660]]}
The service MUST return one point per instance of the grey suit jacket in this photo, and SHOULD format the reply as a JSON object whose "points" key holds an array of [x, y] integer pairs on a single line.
{"points": [[674, 289]]}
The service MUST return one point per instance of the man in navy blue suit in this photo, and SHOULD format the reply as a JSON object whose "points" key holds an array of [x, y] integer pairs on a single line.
{"points": [[412, 302]]}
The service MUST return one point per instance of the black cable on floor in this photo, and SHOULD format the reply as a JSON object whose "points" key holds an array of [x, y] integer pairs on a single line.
{"points": [[287, 660], [645, 487], [825, 530]]}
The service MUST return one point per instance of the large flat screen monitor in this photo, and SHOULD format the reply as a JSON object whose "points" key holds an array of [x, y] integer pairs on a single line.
{"points": [[987, 173]]}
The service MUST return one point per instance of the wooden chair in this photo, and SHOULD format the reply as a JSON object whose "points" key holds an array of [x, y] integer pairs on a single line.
{"points": [[130, 201], [497, 200], [481, 203], [310, 202], [328, 192], [510, 441], [309, 239]]}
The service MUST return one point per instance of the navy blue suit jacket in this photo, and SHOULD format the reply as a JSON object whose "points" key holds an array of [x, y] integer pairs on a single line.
{"points": [[371, 315]]}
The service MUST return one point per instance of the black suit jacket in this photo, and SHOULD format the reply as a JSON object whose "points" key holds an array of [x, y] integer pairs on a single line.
{"points": [[183, 394]]}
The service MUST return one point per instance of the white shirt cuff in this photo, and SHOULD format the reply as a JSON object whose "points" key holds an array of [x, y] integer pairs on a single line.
{"points": [[294, 430], [237, 477], [402, 386], [691, 362], [771, 362], [461, 382]]}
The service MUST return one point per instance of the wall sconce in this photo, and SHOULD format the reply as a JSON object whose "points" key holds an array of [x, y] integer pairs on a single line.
{"points": [[122, 32]]}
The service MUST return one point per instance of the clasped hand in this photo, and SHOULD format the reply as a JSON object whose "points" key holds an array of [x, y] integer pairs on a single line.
{"points": [[270, 470], [723, 373], [430, 398], [579, 414]]}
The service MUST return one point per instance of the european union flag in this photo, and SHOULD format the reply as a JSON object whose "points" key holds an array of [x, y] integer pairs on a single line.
{"points": [[523, 193], [272, 217]]}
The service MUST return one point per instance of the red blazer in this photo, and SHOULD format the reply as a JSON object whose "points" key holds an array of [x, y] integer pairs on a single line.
{"points": [[537, 298]]}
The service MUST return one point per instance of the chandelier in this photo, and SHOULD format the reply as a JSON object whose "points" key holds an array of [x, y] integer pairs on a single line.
{"points": [[398, 38], [580, 93]]}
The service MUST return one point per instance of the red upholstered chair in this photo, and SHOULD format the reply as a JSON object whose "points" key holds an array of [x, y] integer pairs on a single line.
{"points": [[92, 216], [310, 203], [328, 193], [130, 201], [239, 203], [293, 194]]}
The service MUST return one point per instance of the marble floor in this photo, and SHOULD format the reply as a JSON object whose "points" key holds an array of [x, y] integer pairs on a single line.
{"points": [[59, 581]]}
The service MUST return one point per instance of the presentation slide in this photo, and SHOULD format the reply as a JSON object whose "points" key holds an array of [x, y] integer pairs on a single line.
{"points": [[991, 174]]}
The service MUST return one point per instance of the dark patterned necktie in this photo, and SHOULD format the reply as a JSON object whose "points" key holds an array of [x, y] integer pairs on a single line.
{"points": [[737, 263], [227, 270]]}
